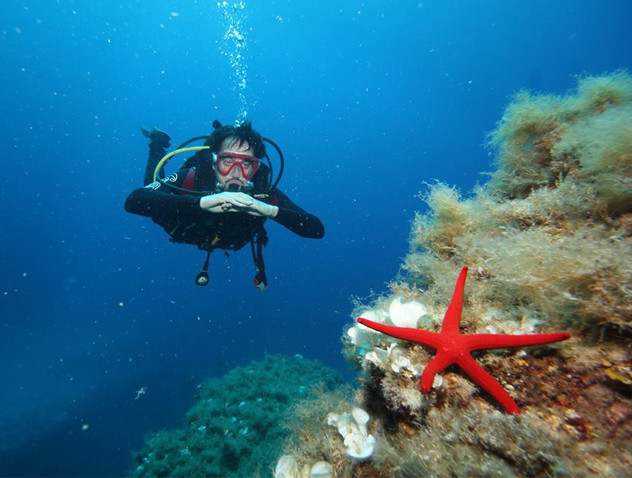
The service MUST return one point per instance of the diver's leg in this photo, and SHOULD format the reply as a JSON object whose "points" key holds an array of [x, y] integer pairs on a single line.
{"points": [[159, 141]]}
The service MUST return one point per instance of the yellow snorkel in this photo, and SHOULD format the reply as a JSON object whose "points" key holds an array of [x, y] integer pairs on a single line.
{"points": [[168, 156]]}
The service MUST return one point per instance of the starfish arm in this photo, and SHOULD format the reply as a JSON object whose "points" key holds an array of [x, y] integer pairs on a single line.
{"points": [[423, 337], [501, 341], [436, 365], [487, 382], [453, 313]]}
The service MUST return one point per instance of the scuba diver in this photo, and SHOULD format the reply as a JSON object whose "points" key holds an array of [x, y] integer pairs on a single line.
{"points": [[221, 197]]}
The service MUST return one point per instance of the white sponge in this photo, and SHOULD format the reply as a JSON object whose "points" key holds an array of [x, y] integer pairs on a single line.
{"points": [[352, 427]]}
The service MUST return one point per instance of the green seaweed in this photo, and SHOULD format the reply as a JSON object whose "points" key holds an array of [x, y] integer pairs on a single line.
{"points": [[552, 230], [236, 426]]}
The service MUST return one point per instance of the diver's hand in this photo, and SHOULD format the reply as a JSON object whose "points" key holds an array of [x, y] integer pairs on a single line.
{"points": [[260, 208], [225, 202], [237, 202]]}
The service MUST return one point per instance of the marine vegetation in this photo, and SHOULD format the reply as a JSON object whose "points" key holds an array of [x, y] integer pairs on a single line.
{"points": [[548, 243], [236, 426]]}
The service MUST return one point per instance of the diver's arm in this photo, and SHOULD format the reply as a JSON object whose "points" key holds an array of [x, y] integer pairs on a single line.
{"points": [[155, 203], [295, 218]]}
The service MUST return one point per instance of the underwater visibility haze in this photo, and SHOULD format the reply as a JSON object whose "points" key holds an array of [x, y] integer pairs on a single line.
{"points": [[427, 136]]}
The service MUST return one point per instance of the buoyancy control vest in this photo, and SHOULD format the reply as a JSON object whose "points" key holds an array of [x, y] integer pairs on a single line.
{"points": [[227, 232]]}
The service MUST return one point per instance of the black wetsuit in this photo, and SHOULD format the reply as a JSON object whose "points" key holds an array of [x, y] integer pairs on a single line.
{"points": [[185, 221]]}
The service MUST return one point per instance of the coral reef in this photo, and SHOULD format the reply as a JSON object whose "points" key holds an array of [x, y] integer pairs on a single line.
{"points": [[548, 242], [236, 427], [551, 231]]}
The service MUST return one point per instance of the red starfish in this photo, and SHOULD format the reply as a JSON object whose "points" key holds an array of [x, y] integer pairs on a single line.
{"points": [[454, 347]]}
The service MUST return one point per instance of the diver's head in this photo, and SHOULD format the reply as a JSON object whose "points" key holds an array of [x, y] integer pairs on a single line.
{"points": [[236, 151], [234, 165]]}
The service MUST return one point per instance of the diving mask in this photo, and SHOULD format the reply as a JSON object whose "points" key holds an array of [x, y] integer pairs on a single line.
{"points": [[226, 161]]}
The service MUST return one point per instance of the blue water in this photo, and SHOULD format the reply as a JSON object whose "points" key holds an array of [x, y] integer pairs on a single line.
{"points": [[367, 99]]}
